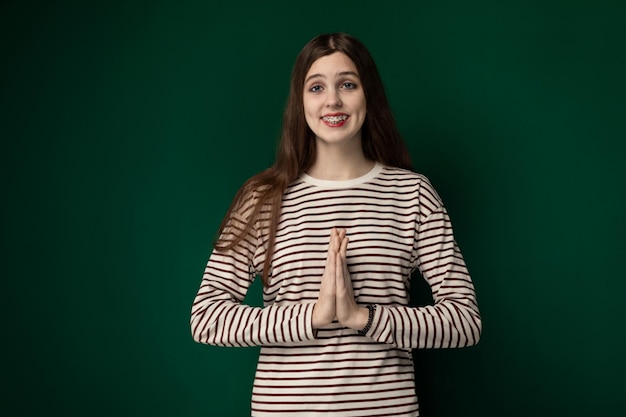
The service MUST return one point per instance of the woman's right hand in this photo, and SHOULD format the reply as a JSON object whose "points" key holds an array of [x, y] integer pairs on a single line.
{"points": [[324, 311]]}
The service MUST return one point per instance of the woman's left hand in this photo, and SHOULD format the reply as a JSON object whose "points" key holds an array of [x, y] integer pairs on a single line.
{"points": [[348, 312]]}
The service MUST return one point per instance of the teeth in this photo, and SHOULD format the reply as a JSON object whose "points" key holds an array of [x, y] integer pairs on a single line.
{"points": [[335, 119]]}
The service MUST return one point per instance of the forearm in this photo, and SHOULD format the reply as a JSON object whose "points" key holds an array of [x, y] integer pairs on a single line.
{"points": [[228, 323], [218, 316], [448, 324]]}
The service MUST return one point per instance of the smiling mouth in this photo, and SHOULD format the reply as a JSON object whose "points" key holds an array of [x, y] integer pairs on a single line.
{"points": [[335, 120]]}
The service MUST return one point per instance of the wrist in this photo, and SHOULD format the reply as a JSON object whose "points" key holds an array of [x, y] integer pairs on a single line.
{"points": [[360, 318], [371, 310], [315, 321], [319, 317]]}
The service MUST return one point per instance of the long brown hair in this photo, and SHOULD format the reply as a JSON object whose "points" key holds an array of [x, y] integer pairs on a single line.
{"points": [[296, 152]]}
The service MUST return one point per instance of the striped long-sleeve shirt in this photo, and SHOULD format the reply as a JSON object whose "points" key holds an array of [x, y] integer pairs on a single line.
{"points": [[396, 223]]}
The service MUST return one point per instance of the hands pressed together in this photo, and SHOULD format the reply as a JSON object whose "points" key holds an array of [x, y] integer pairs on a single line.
{"points": [[336, 297]]}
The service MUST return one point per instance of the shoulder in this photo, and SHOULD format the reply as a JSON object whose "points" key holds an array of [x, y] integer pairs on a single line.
{"points": [[250, 202], [390, 173], [411, 181], [404, 177]]}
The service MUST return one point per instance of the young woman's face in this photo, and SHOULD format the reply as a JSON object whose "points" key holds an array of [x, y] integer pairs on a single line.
{"points": [[334, 100]]}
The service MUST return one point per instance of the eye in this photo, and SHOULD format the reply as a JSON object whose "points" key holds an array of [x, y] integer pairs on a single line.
{"points": [[315, 88], [348, 85]]}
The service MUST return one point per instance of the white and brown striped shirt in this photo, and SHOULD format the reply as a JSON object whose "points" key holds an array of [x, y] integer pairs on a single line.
{"points": [[396, 223]]}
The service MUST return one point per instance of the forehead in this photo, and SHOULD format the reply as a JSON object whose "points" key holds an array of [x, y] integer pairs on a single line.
{"points": [[332, 64]]}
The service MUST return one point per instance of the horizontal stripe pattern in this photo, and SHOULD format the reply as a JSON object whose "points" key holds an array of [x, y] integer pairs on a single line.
{"points": [[396, 223]]}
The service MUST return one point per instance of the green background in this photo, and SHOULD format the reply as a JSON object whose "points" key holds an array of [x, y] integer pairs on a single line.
{"points": [[127, 127]]}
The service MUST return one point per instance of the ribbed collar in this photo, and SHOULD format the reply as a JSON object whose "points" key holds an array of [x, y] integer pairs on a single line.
{"points": [[378, 167]]}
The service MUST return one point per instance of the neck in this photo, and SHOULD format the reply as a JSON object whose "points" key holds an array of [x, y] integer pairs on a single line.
{"points": [[340, 162]]}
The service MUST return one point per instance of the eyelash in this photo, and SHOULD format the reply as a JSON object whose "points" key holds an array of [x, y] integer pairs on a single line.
{"points": [[347, 85]]}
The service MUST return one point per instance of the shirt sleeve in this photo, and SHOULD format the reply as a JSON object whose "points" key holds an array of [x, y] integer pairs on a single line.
{"points": [[218, 316], [454, 319]]}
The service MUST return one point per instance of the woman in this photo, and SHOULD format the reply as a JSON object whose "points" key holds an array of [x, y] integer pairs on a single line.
{"points": [[335, 227]]}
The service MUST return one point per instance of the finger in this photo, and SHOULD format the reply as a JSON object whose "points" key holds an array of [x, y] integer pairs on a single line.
{"points": [[346, 271], [328, 286], [342, 259], [342, 252], [343, 248], [332, 247], [339, 275], [334, 242], [332, 265], [327, 266]]}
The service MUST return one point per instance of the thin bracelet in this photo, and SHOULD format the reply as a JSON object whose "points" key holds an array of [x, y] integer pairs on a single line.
{"points": [[370, 317]]}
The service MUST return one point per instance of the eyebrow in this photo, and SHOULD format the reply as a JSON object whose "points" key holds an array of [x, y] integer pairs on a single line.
{"points": [[323, 76]]}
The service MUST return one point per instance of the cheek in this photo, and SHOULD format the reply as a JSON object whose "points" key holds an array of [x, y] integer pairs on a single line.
{"points": [[309, 106], [363, 104], [309, 117], [308, 112]]}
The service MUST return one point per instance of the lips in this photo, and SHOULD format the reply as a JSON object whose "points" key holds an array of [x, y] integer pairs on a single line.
{"points": [[335, 119]]}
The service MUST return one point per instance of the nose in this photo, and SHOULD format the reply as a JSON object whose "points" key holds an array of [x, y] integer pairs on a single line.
{"points": [[333, 99]]}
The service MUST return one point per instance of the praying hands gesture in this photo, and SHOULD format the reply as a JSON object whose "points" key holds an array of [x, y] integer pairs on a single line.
{"points": [[336, 297]]}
